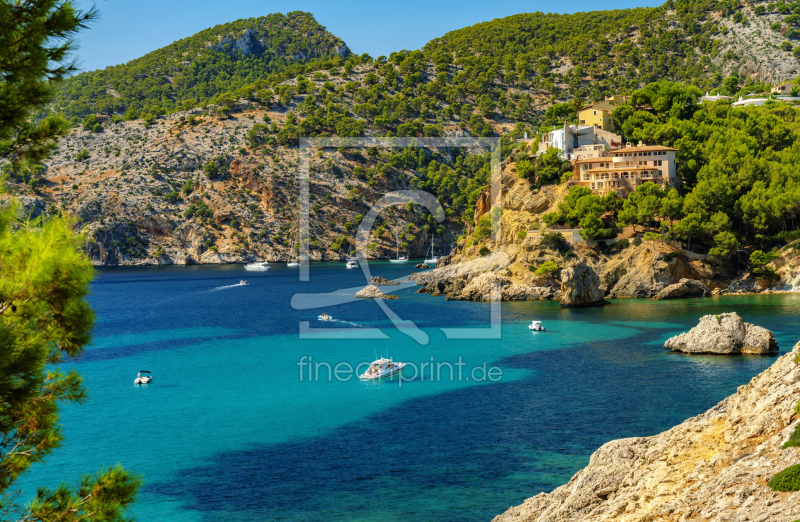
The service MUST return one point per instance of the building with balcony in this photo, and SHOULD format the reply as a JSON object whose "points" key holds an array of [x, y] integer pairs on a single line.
{"points": [[570, 138], [625, 169]]}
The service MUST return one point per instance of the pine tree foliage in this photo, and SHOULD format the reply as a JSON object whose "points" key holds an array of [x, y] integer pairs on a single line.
{"points": [[44, 281]]}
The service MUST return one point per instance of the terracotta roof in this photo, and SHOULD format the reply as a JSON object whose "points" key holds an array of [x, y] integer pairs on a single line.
{"points": [[623, 169], [600, 106], [645, 148], [602, 159]]}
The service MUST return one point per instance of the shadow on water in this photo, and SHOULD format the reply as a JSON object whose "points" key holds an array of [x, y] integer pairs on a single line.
{"points": [[467, 454]]}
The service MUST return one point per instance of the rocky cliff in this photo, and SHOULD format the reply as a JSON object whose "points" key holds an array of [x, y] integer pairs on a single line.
{"points": [[713, 467], [651, 269], [144, 195]]}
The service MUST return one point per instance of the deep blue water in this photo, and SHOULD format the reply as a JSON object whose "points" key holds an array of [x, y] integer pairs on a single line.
{"points": [[229, 430]]}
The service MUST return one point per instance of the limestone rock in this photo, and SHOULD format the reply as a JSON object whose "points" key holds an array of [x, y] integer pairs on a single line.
{"points": [[683, 289], [712, 467], [724, 334], [382, 281], [580, 286], [423, 266], [493, 261], [485, 287], [373, 292]]}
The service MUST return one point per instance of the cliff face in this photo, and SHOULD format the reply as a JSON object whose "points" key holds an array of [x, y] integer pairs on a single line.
{"points": [[142, 195], [711, 467]]}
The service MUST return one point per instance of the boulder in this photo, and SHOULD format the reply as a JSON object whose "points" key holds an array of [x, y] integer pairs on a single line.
{"points": [[724, 334], [485, 287], [580, 286], [422, 265], [373, 292], [382, 281], [684, 288]]}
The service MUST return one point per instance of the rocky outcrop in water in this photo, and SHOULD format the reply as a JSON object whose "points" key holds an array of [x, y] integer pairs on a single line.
{"points": [[580, 286], [491, 286], [373, 292], [724, 334], [713, 467], [382, 281], [684, 288]]}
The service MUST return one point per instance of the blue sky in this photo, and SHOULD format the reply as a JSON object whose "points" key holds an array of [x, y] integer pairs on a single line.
{"points": [[128, 29]]}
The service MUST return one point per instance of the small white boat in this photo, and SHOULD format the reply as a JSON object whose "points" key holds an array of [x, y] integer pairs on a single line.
{"points": [[352, 263], [325, 317], [382, 368], [293, 264], [434, 258], [143, 379], [258, 266], [244, 282], [398, 258], [536, 326]]}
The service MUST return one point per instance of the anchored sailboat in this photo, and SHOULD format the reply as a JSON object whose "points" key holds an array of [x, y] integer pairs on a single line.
{"points": [[397, 258]]}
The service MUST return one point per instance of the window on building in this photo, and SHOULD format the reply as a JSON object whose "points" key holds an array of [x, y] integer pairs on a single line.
{"points": [[595, 113]]}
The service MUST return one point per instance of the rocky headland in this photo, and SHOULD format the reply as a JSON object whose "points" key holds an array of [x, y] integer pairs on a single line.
{"points": [[713, 467], [624, 268], [724, 334]]}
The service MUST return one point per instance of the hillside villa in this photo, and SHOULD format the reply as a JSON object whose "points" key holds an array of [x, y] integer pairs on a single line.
{"points": [[599, 113], [570, 138], [783, 88], [624, 169]]}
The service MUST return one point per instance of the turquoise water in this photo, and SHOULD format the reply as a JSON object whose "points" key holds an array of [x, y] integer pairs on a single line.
{"points": [[230, 431]]}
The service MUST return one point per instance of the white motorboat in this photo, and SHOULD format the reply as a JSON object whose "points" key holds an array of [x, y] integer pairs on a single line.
{"points": [[352, 263], [143, 379], [259, 266], [536, 326], [325, 317], [381, 369], [244, 282], [293, 264]]}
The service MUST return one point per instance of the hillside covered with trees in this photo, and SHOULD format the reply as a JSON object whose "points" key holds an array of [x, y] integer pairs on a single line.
{"points": [[501, 78]]}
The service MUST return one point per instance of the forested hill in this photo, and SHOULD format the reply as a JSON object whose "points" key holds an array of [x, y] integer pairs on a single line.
{"points": [[545, 58], [218, 60], [588, 55]]}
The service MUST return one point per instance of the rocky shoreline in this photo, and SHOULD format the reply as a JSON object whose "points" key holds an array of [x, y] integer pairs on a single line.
{"points": [[715, 466]]}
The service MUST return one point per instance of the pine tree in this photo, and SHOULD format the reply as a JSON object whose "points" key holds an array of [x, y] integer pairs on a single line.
{"points": [[44, 280]]}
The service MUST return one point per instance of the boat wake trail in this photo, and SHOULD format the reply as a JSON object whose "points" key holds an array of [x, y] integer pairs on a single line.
{"points": [[226, 286], [341, 322]]}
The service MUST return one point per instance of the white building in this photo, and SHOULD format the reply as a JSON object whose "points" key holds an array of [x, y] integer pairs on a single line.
{"points": [[569, 138], [752, 102]]}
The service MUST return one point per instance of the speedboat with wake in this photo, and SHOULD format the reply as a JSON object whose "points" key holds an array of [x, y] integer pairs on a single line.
{"points": [[324, 317], [143, 379], [258, 266], [381, 369], [536, 326]]}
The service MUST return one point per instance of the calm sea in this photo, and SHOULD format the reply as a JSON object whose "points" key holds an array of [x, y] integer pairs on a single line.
{"points": [[230, 431]]}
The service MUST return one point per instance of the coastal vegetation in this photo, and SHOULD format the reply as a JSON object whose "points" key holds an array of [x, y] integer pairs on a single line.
{"points": [[44, 282], [739, 166]]}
